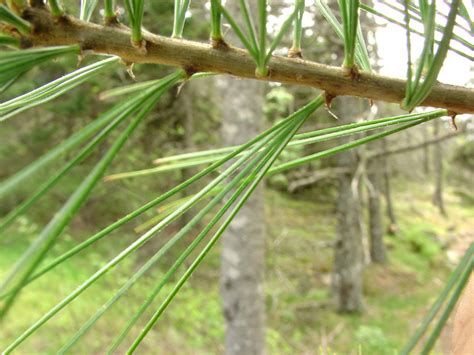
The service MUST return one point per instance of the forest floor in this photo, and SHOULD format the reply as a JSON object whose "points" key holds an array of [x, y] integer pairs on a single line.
{"points": [[300, 314]]}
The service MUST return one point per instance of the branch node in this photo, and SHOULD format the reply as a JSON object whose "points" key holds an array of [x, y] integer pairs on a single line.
{"points": [[295, 53], [403, 106], [352, 72], [262, 73], [219, 43], [111, 21], [140, 46]]}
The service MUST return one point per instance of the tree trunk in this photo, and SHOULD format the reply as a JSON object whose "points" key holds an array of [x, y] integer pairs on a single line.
{"points": [[243, 244], [388, 192], [186, 100], [426, 151], [377, 248], [348, 250], [438, 171]]}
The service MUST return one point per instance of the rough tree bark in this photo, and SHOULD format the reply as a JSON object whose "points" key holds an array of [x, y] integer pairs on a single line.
{"points": [[426, 151], [376, 232], [196, 56], [187, 98], [388, 191], [438, 171], [348, 249], [243, 244]]}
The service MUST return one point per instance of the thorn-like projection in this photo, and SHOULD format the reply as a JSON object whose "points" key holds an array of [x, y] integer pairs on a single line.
{"points": [[180, 87], [371, 103], [453, 119], [80, 59], [82, 54], [332, 114], [190, 71], [328, 97], [130, 70]]}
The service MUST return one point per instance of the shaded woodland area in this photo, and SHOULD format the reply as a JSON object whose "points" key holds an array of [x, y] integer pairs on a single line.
{"points": [[344, 254]]}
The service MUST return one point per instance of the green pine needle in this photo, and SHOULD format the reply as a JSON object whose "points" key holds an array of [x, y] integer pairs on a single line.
{"points": [[298, 28], [180, 9], [39, 248], [216, 21], [184, 231], [187, 160], [135, 10], [9, 41], [87, 9], [250, 183], [54, 88], [17, 62], [109, 10], [124, 111], [360, 53], [421, 89], [7, 16], [56, 8]]}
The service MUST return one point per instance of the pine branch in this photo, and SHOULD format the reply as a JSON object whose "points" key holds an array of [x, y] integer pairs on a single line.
{"points": [[199, 57]]}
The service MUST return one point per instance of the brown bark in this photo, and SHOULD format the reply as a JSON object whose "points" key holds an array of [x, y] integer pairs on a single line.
{"points": [[438, 171], [376, 231], [186, 99], [348, 249], [195, 56], [243, 244], [426, 151], [388, 191]]}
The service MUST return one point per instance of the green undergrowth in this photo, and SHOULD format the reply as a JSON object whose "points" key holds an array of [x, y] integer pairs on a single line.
{"points": [[301, 316]]}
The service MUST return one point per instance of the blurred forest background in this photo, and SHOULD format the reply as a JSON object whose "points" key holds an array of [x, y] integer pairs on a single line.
{"points": [[403, 205]]}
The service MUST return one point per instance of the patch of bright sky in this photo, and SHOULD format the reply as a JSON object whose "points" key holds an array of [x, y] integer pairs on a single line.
{"points": [[392, 48]]}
